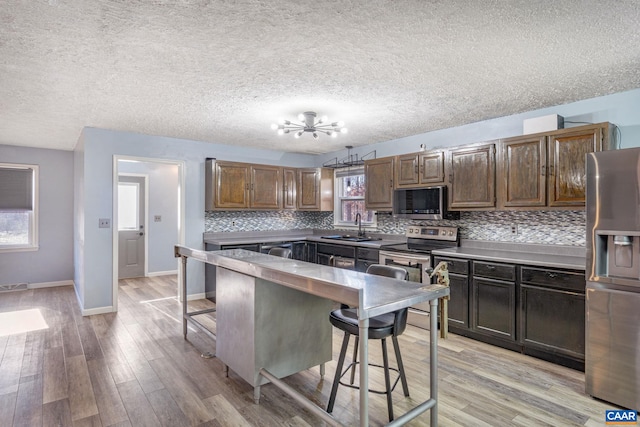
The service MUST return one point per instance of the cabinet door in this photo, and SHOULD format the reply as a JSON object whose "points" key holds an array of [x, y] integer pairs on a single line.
{"points": [[494, 308], [553, 320], [459, 300], [472, 177], [567, 174], [379, 182], [406, 170], [266, 187], [522, 171], [289, 190], [431, 167], [308, 189], [232, 185]]}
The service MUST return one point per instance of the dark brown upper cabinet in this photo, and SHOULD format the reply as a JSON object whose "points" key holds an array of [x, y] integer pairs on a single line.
{"points": [[471, 172], [315, 189], [379, 184], [419, 169], [243, 185], [289, 191], [548, 170]]}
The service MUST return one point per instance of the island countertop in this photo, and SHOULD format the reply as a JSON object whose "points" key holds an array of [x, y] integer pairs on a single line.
{"points": [[373, 295]]}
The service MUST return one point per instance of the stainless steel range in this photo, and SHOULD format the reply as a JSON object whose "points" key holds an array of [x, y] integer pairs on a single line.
{"points": [[415, 257]]}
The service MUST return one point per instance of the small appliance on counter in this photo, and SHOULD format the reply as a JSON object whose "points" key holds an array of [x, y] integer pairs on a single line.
{"points": [[612, 358], [415, 257]]}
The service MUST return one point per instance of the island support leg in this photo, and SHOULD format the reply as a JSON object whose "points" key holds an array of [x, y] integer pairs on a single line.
{"points": [[256, 394], [184, 297], [433, 356], [364, 371]]}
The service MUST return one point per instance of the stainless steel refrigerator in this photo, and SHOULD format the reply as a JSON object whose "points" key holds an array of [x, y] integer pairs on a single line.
{"points": [[612, 364]]}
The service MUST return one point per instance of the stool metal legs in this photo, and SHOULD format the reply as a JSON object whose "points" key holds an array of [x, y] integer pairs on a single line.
{"points": [[336, 379], [385, 365]]}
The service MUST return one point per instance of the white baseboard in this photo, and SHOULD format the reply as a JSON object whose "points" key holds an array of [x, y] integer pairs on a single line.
{"points": [[162, 273], [49, 284], [193, 297], [97, 310]]}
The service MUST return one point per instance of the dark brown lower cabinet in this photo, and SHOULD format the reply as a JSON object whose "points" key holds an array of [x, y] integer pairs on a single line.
{"points": [[552, 315], [493, 310], [458, 301]]}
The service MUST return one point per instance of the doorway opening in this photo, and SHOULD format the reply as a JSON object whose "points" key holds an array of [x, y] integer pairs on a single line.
{"points": [[148, 218]]}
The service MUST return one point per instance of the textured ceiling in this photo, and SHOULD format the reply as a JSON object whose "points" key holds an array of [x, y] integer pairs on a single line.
{"points": [[223, 70]]}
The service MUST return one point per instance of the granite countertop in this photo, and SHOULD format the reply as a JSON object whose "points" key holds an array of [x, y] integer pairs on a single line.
{"points": [[373, 295], [568, 257]]}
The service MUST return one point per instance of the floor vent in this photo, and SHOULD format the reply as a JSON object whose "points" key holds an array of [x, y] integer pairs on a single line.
{"points": [[14, 287]]}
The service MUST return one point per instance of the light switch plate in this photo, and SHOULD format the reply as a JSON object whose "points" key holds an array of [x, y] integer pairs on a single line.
{"points": [[104, 223]]}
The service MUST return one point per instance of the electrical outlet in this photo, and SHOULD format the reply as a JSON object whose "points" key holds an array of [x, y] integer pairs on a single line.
{"points": [[514, 229], [157, 218], [104, 223], [233, 223]]}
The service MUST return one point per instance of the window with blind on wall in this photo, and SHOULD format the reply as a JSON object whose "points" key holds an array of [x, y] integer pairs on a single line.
{"points": [[18, 207]]}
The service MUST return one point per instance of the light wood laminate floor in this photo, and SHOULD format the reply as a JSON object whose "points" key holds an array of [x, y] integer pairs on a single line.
{"points": [[133, 368]]}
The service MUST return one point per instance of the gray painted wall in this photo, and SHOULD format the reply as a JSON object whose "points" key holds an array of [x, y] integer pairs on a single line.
{"points": [[163, 200], [53, 261]]}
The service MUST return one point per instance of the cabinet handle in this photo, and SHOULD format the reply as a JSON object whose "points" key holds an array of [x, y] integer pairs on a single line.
{"points": [[551, 170], [416, 168], [552, 275], [251, 187], [451, 178], [491, 267], [391, 183], [543, 170], [246, 187]]}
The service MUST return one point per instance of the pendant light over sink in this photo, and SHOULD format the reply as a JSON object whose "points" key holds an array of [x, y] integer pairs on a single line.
{"points": [[310, 124]]}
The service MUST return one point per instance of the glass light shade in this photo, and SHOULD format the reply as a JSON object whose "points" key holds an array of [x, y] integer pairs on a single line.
{"points": [[343, 130], [301, 117], [274, 126], [280, 131]]}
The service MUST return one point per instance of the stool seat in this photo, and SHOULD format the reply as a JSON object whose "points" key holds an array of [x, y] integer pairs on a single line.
{"points": [[346, 319]]}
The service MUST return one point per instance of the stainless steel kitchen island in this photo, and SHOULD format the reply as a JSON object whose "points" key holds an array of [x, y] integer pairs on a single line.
{"points": [[254, 273]]}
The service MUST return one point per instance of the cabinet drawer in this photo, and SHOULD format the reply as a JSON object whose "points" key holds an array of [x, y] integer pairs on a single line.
{"points": [[367, 253], [454, 265], [559, 279], [494, 270]]}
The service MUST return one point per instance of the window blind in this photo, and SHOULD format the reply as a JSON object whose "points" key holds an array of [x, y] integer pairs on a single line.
{"points": [[16, 189]]}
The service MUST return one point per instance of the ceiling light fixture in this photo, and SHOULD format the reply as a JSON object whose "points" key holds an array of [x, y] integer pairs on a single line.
{"points": [[310, 124]]}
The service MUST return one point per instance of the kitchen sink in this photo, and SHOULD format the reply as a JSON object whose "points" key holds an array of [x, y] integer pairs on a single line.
{"points": [[350, 238]]}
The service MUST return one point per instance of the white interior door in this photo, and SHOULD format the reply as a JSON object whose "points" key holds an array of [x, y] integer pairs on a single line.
{"points": [[131, 226]]}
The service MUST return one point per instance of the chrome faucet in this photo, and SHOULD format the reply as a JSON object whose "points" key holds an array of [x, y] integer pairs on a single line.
{"points": [[359, 224]]}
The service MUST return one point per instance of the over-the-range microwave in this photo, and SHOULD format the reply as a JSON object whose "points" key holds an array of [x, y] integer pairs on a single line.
{"points": [[420, 203]]}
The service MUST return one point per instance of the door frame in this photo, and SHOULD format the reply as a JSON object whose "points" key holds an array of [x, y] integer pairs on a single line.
{"points": [[145, 210], [114, 215]]}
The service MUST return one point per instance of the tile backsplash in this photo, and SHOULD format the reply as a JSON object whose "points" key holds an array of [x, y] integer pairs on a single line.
{"points": [[537, 227]]}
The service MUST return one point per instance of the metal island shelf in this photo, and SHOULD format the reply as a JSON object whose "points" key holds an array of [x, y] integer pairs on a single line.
{"points": [[254, 309]]}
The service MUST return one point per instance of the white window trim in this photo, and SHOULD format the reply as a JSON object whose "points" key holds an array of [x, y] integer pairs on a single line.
{"points": [[337, 206], [34, 245]]}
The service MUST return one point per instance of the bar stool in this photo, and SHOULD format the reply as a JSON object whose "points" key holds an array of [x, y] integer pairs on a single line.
{"points": [[380, 328], [281, 252]]}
